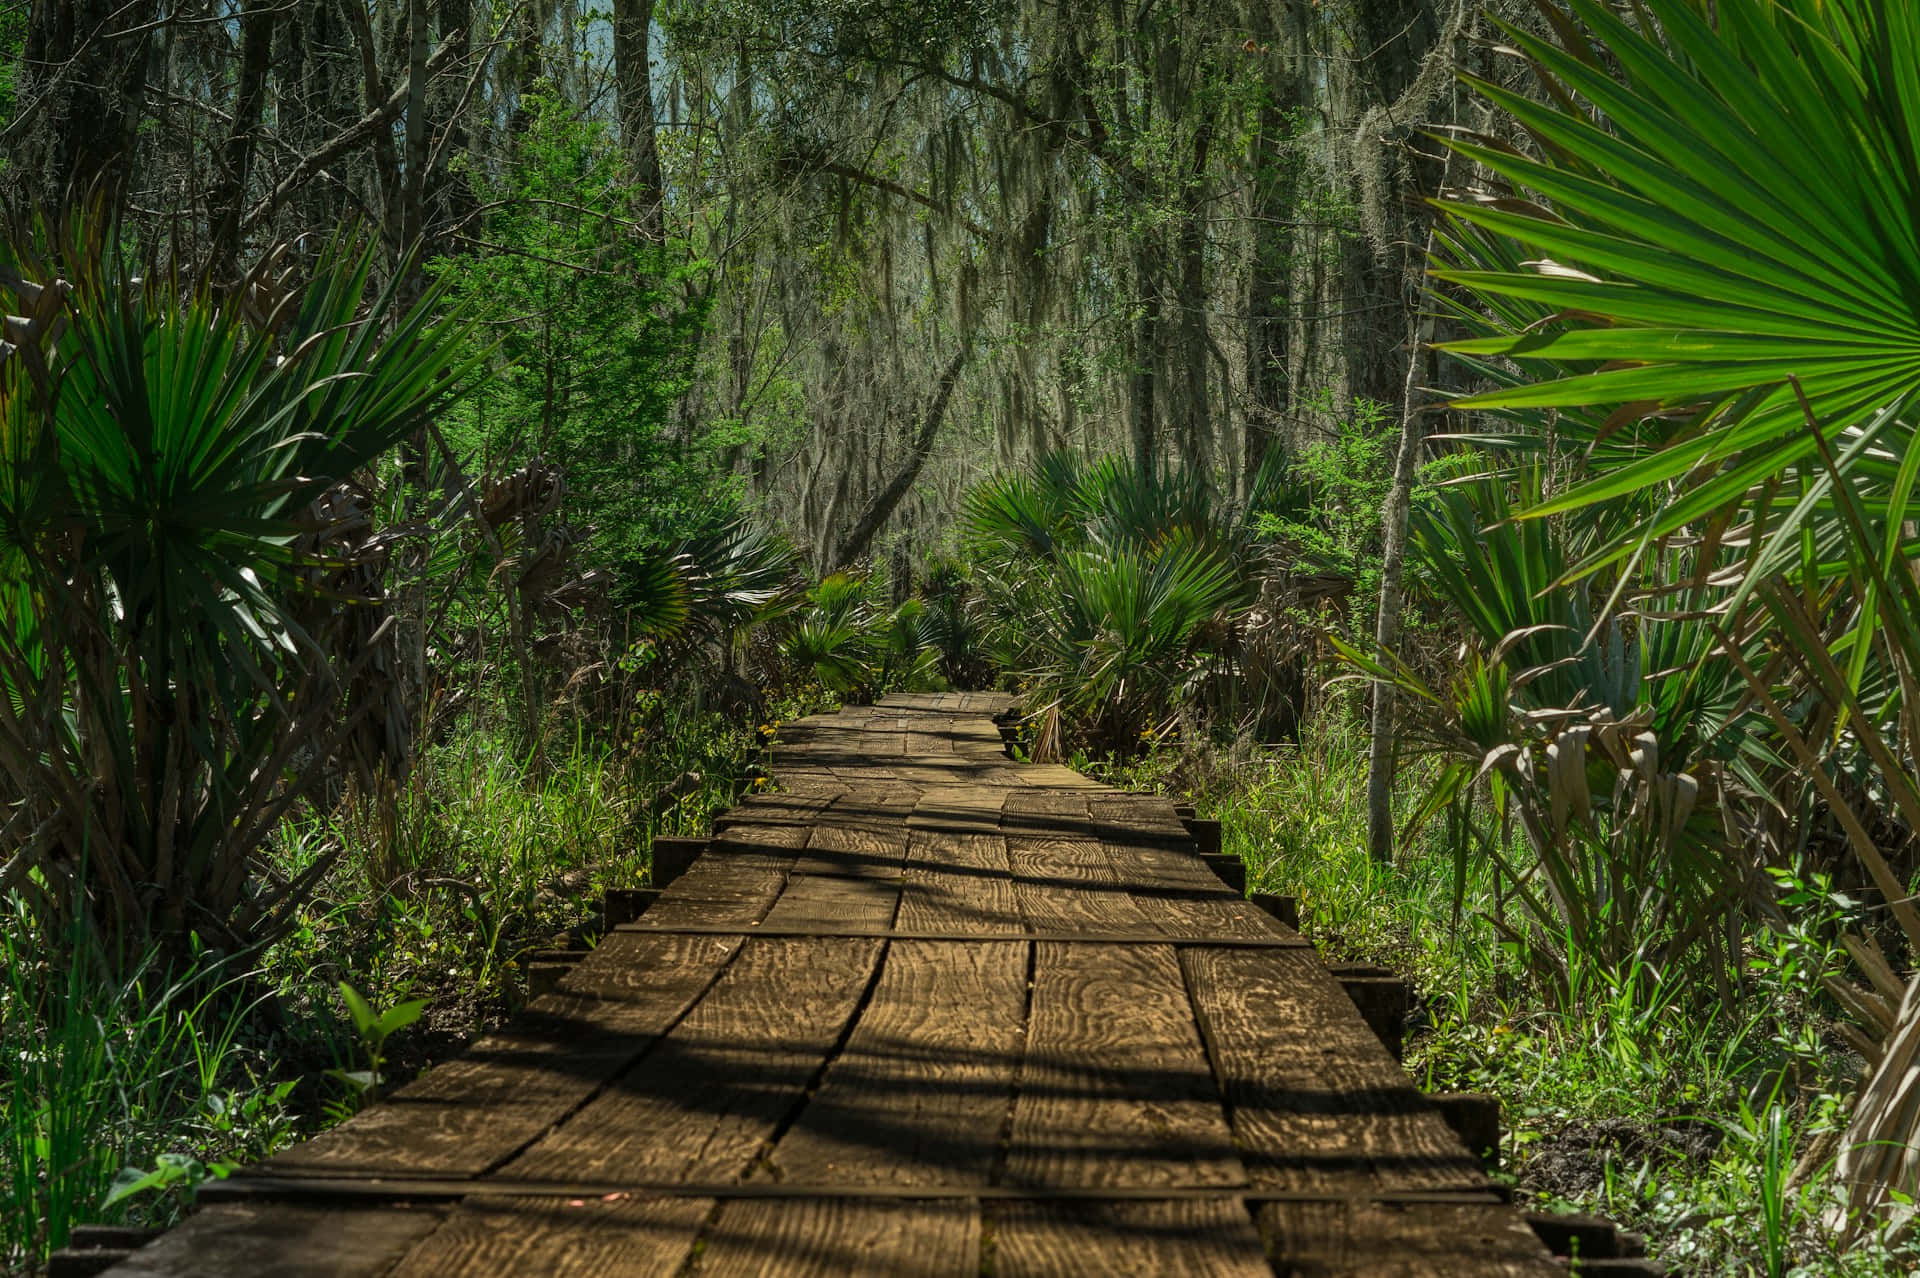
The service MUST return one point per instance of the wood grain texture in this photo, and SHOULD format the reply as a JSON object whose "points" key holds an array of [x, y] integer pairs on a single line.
{"points": [[737, 881], [972, 1069], [778, 807], [1047, 813], [835, 900], [1062, 875], [701, 1105], [883, 806], [971, 808], [826, 1238], [1318, 1105], [1116, 1089], [1193, 1238], [286, 1240], [473, 1112], [1149, 849], [1402, 1240], [619, 1237], [959, 883], [921, 1093], [1068, 885], [1180, 895], [1050, 775], [849, 873], [869, 839]]}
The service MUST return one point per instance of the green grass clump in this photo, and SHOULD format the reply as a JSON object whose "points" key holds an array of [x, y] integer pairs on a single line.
{"points": [[151, 1077]]}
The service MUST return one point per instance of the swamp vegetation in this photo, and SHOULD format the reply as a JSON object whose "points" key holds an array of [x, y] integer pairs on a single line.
{"points": [[1467, 446]]}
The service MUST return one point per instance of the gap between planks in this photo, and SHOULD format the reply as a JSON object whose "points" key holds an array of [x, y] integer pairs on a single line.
{"points": [[749, 930], [282, 1188]]}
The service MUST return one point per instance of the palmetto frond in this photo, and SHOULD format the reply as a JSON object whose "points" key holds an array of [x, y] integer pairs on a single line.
{"points": [[1704, 244], [162, 456]]}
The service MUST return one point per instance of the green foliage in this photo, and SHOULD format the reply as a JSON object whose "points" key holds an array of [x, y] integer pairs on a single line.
{"points": [[953, 626], [13, 43], [1612, 742], [1712, 268], [847, 641], [119, 1088], [1674, 1116], [593, 330], [1714, 245], [373, 1028], [160, 457], [709, 587], [1101, 581], [1325, 506]]}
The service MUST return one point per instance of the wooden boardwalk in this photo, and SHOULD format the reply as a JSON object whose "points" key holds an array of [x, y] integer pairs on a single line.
{"points": [[920, 1011]]}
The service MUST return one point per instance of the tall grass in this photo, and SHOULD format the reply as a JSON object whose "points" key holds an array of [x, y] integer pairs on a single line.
{"points": [[107, 1076]]}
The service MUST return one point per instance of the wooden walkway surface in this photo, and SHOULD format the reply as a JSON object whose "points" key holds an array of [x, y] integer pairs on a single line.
{"points": [[920, 1011]]}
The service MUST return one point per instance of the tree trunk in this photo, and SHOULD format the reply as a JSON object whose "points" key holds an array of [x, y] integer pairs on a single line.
{"points": [[878, 510], [528, 62], [1380, 752], [1275, 170], [450, 196], [1196, 424], [1143, 356], [633, 79], [84, 87], [228, 201], [413, 202]]}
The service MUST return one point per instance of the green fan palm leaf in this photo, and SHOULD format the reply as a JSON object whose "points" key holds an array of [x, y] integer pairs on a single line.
{"points": [[162, 464], [1707, 241]]}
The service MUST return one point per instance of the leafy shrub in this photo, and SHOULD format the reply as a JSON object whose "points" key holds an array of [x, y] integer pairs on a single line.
{"points": [[162, 454]]}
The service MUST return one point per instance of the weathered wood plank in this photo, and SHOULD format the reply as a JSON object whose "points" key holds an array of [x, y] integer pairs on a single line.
{"points": [[867, 840], [922, 1091], [977, 1069], [883, 805], [969, 809], [1051, 776], [1063, 877], [1193, 1238], [835, 901], [286, 1240], [957, 881], [779, 806], [1148, 848], [1318, 1104], [473, 1112], [957, 876], [1116, 1089], [737, 881], [849, 873], [826, 1238], [1068, 885], [1047, 813], [612, 1237], [701, 1105], [1402, 1240]]}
